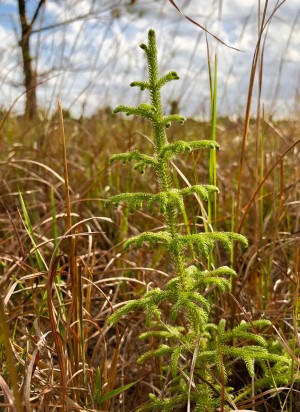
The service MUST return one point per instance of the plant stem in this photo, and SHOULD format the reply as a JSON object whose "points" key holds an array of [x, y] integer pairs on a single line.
{"points": [[163, 170]]}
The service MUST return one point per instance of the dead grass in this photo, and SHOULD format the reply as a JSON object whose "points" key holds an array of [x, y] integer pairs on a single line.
{"points": [[61, 279]]}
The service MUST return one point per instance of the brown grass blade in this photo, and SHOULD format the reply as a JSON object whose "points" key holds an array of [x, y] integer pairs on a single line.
{"points": [[58, 341], [8, 396], [245, 209], [10, 359], [202, 27]]}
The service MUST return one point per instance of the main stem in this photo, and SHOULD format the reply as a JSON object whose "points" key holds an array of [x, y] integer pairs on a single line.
{"points": [[163, 171]]}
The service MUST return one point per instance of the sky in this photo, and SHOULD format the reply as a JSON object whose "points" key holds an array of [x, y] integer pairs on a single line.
{"points": [[89, 63]]}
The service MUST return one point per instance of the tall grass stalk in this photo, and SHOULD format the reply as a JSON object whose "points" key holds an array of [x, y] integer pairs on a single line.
{"points": [[212, 199]]}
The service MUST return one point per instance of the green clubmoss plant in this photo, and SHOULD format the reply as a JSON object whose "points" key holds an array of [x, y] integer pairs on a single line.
{"points": [[196, 350]]}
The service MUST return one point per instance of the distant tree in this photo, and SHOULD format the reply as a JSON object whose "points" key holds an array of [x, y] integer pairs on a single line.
{"points": [[28, 18], [30, 79]]}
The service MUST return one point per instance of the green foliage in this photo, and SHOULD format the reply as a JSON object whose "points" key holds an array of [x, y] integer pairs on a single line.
{"points": [[171, 198], [186, 297], [173, 149]]}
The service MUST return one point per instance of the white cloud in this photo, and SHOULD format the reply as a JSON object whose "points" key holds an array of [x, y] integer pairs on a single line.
{"points": [[100, 56]]}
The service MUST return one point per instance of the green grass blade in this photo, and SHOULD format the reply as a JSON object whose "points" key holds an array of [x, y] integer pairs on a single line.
{"points": [[40, 261], [115, 392]]}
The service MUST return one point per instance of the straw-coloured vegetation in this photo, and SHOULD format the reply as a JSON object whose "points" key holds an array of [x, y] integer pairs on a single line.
{"points": [[151, 270]]}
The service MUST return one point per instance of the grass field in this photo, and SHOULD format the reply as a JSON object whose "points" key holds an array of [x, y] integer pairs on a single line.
{"points": [[35, 248]]}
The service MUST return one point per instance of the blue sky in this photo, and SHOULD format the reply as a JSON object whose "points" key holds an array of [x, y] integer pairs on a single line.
{"points": [[89, 63]]}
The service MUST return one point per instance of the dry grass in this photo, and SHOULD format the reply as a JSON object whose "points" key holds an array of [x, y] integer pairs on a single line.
{"points": [[63, 269]]}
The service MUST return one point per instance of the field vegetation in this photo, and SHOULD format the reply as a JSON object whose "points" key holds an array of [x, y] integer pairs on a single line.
{"points": [[64, 270]]}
